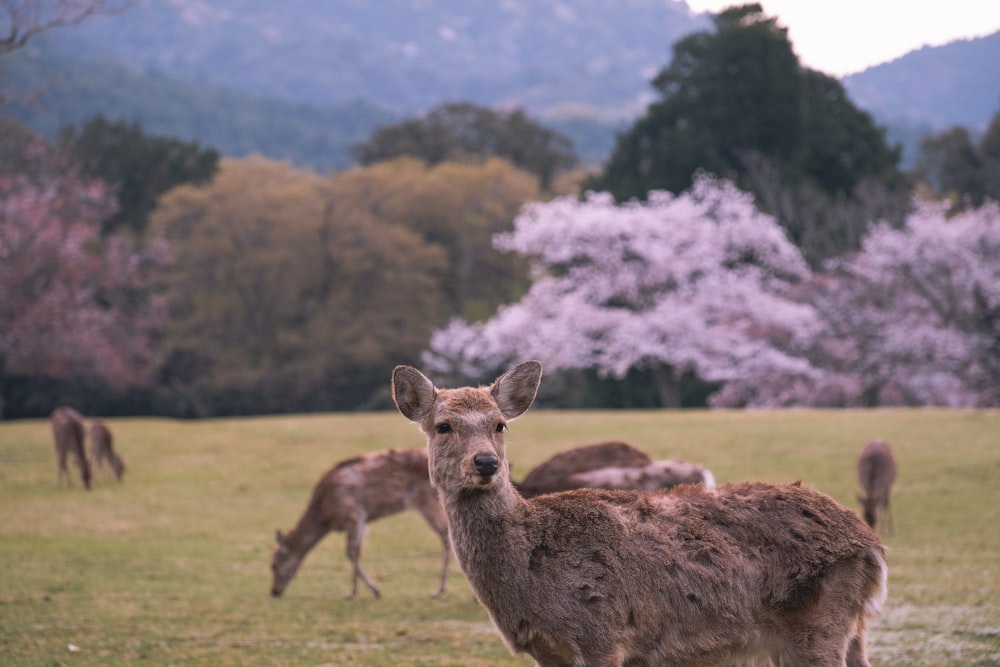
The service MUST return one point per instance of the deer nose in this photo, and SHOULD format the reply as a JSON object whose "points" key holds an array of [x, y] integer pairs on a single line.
{"points": [[486, 464]]}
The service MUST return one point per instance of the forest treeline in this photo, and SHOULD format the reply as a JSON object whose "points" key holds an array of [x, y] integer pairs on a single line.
{"points": [[143, 274]]}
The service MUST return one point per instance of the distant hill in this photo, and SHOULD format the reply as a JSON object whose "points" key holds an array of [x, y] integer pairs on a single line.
{"points": [[934, 87], [402, 55], [304, 81], [236, 123]]}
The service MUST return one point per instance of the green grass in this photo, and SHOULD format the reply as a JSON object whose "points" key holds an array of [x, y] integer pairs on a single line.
{"points": [[171, 567]]}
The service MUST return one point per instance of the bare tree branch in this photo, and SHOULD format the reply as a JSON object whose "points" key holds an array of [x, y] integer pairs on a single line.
{"points": [[20, 20]]}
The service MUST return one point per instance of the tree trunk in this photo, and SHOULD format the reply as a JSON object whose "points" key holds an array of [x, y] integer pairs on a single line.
{"points": [[668, 385]]}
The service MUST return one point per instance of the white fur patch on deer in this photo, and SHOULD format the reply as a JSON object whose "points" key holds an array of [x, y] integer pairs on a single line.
{"points": [[592, 577]]}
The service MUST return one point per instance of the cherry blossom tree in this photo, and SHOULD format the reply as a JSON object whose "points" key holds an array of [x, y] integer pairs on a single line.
{"points": [[71, 301], [911, 319], [696, 282]]}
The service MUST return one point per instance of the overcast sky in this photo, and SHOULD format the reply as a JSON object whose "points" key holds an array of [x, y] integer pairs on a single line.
{"points": [[841, 37]]}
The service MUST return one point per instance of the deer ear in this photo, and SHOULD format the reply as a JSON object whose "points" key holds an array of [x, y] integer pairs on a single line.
{"points": [[515, 390], [279, 538], [412, 392]]}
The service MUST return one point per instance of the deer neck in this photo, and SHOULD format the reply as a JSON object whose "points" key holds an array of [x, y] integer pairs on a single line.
{"points": [[310, 530], [484, 526]]}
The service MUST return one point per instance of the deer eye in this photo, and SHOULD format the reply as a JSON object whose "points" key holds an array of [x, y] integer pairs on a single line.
{"points": [[443, 427], [501, 427]]}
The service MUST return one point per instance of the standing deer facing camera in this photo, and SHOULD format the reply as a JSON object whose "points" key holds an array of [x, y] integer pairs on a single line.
{"points": [[598, 578], [68, 439], [876, 472]]}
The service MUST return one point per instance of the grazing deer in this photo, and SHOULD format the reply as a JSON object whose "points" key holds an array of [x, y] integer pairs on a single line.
{"points": [[351, 494], [598, 578], [876, 472], [656, 476], [552, 474], [68, 437], [102, 449]]}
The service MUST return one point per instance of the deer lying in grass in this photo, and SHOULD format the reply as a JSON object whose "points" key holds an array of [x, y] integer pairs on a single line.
{"points": [[691, 577], [68, 438], [351, 494], [876, 472], [552, 474], [102, 449], [655, 476]]}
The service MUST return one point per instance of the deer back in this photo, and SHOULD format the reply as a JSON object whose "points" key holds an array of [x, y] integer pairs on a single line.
{"points": [[372, 486], [554, 473]]}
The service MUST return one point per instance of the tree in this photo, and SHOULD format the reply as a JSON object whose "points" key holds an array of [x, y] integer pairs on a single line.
{"points": [[676, 284], [286, 297], [951, 166], [72, 302], [457, 207], [913, 319], [736, 99], [989, 154], [20, 20], [139, 167], [464, 131]]}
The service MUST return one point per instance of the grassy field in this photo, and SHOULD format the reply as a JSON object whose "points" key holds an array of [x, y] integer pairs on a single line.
{"points": [[171, 567]]}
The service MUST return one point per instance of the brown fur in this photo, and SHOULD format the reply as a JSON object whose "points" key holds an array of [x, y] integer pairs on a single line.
{"points": [[68, 438], [590, 577], [102, 449], [876, 472], [656, 476], [351, 494], [552, 474]]}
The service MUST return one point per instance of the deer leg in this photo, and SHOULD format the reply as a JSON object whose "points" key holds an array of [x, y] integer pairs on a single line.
{"points": [[856, 652], [434, 516], [355, 538], [62, 471]]}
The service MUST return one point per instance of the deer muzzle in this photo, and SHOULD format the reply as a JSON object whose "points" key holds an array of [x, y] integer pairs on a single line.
{"points": [[486, 464]]}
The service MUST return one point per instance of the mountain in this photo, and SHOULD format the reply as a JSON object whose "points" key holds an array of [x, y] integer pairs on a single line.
{"points": [[934, 87], [72, 91], [403, 55], [304, 81]]}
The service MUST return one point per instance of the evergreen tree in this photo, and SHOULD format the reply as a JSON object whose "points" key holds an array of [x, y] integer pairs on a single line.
{"points": [[140, 167], [737, 103]]}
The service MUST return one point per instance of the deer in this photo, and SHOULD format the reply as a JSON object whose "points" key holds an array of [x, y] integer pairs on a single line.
{"points": [[347, 497], [876, 472], [552, 474], [655, 476], [68, 437], [744, 572], [102, 449]]}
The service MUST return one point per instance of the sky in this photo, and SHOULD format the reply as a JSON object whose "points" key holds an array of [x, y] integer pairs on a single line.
{"points": [[840, 37]]}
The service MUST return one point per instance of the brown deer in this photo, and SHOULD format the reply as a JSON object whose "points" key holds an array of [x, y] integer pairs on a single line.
{"points": [[347, 497], [876, 472], [552, 474], [68, 437], [102, 449], [593, 577], [655, 476]]}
